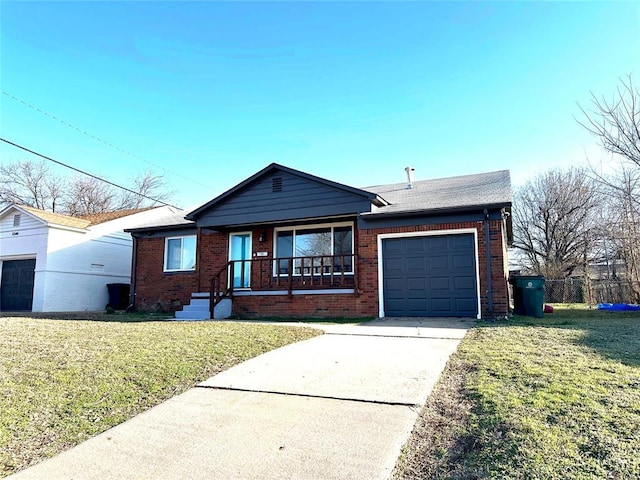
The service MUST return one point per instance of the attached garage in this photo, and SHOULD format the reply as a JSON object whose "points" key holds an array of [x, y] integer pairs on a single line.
{"points": [[16, 285], [429, 275]]}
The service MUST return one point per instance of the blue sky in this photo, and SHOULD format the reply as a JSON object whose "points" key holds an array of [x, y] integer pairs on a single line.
{"points": [[208, 93]]}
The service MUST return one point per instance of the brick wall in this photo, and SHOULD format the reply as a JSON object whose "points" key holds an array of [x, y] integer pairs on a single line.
{"points": [[156, 288], [314, 306], [368, 252]]}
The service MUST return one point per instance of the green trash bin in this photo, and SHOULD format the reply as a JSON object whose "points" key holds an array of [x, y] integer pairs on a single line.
{"points": [[531, 292]]}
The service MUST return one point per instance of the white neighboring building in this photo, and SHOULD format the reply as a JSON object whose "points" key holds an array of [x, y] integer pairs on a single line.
{"points": [[57, 263]]}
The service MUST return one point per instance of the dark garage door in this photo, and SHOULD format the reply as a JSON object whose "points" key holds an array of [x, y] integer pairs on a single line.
{"points": [[16, 285], [430, 276]]}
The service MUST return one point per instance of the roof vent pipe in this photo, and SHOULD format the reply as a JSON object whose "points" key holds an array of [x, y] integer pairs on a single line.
{"points": [[409, 171]]}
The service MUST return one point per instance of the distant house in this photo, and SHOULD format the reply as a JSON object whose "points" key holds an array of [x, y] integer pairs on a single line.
{"points": [[287, 243], [51, 262]]}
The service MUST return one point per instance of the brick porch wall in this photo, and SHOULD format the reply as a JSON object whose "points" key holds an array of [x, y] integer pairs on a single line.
{"points": [[313, 306], [172, 290]]}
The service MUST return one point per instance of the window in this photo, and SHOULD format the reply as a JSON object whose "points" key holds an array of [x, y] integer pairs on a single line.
{"points": [[180, 253], [16, 220], [315, 250]]}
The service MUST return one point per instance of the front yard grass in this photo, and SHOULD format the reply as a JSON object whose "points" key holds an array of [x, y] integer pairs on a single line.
{"points": [[62, 382], [552, 398]]}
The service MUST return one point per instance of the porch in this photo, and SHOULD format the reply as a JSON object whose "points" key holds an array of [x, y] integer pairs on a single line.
{"points": [[262, 277]]}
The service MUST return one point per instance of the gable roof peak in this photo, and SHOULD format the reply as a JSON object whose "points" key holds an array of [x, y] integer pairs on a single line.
{"points": [[50, 217], [269, 169], [76, 221]]}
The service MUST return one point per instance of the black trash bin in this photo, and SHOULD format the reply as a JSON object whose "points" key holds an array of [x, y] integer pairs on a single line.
{"points": [[528, 295], [118, 295], [518, 306]]}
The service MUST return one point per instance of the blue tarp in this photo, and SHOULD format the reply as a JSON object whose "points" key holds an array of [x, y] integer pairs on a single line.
{"points": [[618, 307]]}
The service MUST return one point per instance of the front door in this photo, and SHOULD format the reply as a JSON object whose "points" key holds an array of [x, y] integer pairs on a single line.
{"points": [[240, 255]]}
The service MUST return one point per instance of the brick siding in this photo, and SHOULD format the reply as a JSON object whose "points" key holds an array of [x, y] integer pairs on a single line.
{"points": [[154, 288]]}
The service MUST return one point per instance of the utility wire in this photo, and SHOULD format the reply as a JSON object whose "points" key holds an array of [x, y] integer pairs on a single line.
{"points": [[85, 173], [98, 139]]}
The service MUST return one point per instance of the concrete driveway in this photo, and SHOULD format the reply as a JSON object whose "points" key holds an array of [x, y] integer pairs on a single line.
{"points": [[340, 406]]}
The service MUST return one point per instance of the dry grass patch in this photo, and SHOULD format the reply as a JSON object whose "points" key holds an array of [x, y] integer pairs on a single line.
{"points": [[62, 382], [438, 441], [555, 398]]}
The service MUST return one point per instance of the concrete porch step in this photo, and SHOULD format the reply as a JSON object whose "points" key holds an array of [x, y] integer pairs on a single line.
{"points": [[192, 315], [198, 308]]}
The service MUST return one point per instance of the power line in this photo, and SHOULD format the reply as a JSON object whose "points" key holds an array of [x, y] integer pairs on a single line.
{"points": [[98, 139], [85, 173]]}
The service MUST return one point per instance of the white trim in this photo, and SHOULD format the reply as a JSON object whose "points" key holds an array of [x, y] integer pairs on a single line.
{"points": [[55, 226], [313, 225], [166, 247], [428, 233], [22, 256], [249, 257]]}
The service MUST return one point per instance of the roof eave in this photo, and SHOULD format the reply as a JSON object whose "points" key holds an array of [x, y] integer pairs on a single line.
{"points": [[378, 201], [435, 211], [159, 228]]}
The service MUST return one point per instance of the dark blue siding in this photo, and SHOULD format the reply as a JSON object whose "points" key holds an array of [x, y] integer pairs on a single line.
{"points": [[299, 198]]}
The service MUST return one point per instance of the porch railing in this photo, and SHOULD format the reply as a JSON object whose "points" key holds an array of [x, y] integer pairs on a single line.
{"points": [[284, 273]]}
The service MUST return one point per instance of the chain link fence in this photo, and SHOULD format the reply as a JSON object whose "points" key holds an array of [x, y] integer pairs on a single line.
{"points": [[592, 292]]}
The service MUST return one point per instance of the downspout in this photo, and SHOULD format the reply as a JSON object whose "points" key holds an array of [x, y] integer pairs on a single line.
{"points": [[487, 259], [134, 274]]}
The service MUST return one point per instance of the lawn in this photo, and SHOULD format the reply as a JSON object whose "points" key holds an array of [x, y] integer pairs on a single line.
{"points": [[62, 382], [552, 398]]}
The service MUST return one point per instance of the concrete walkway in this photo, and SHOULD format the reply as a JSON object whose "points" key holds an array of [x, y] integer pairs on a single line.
{"points": [[337, 406]]}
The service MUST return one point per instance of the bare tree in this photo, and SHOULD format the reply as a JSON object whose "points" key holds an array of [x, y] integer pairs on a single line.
{"points": [[553, 220], [29, 183], [85, 195], [616, 122], [622, 233], [148, 185], [616, 125]]}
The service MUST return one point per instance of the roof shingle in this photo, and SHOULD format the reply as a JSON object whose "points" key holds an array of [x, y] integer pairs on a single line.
{"points": [[492, 188], [96, 218], [56, 218], [80, 221]]}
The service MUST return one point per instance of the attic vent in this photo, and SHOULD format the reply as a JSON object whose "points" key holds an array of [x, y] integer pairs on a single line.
{"points": [[16, 219], [276, 184]]}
